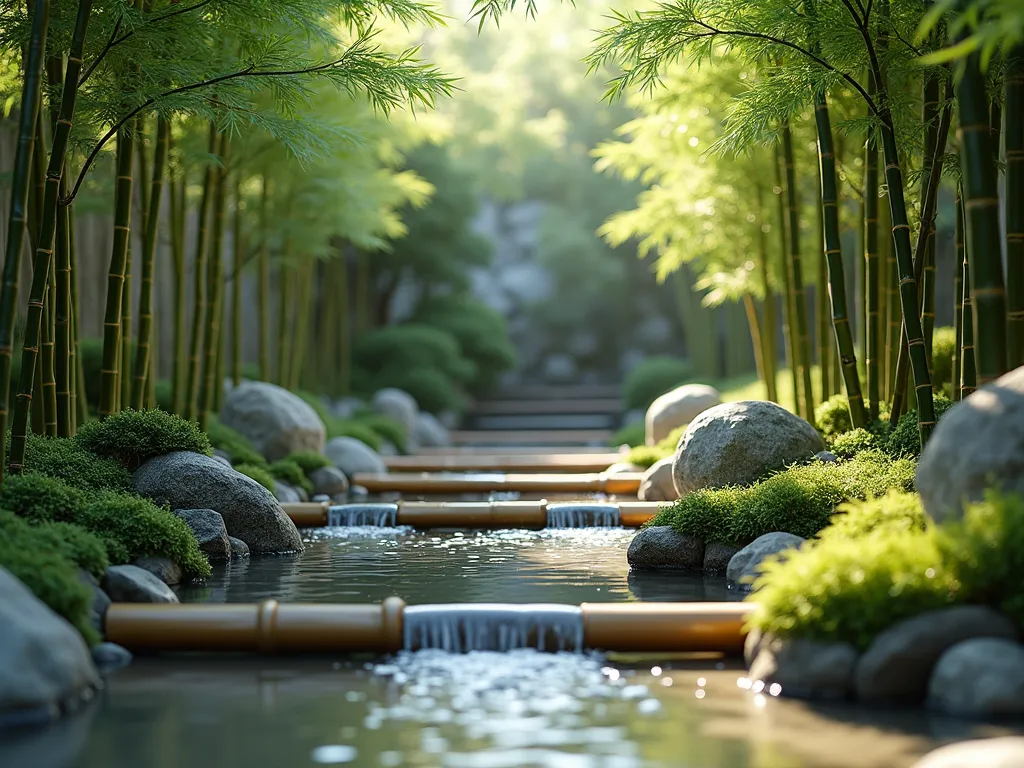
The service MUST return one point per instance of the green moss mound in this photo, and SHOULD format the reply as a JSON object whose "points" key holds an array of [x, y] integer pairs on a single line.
{"points": [[291, 473], [388, 428], [849, 444], [905, 440], [647, 455], [132, 437], [309, 461], [28, 553], [234, 444], [943, 346], [65, 459], [632, 435], [895, 512], [260, 474], [832, 417], [800, 500], [78, 545], [336, 427], [652, 378], [40, 498]]}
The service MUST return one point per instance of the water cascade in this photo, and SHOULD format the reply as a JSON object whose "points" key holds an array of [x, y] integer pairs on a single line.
{"points": [[583, 516], [358, 515], [460, 628]]}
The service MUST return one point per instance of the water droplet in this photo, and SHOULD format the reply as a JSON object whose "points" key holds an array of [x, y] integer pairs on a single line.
{"points": [[775, 689], [744, 683], [758, 686], [760, 700], [666, 681], [700, 693], [648, 706], [656, 671], [702, 682], [334, 753]]}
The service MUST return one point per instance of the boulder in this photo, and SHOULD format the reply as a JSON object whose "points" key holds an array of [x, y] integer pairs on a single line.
{"points": [[387, 448], [826, 457], [353, 457], [347, 407], [805, 669], [744, 565], [717, 556], [186, 480], [1004, 752], [978, 444], [209, 529], [897, 665], [274, 420], [100, 601], [110, 657], [660, 547], [328, 481], [165, 569], [400, 406], [982, 678], [238, 547], [657, 484], [286, 494], [131, 584], [676, 409], [222, 459], [560, 369], [430, 432], [739, 443], [45, 665]]}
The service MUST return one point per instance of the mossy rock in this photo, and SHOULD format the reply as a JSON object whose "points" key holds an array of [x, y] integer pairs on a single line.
{"points": [[133, 437], [291, 473], [66, 459]]}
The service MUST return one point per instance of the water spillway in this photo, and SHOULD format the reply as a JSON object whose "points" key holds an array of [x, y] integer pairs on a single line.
{"points": [[582, 515], [623, 483], [460, 628], [362, 515]]}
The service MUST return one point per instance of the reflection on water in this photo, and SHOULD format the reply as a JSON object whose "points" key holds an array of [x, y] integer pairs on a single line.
{"points": [[361, 565]]}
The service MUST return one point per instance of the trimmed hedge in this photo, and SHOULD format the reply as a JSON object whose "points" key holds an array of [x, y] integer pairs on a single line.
{"points": [[132, 437], [652, 378]]}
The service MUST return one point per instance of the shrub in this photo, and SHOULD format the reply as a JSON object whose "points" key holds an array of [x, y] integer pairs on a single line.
{"points": [[40, 498], [291, 473], [337, 427], [357, 429], [652, 378], [260, 474], [78, 545], [895, 512], [388, 428], [905, 440], [411, 347], [645, 455], [849, 444], [131, 437], [309, 461], [144, 529], [798, 500], [832, 417], [943, 343], [632, 435], [234, 444], [65, 459], [28, 554], [433, 390]]}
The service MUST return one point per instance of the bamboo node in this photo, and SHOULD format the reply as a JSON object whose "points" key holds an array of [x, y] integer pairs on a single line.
{"points": [[896, 227], [997, 291]]}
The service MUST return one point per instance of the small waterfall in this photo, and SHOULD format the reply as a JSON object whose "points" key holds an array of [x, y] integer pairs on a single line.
{"points": [[358, 515], [583, 516], [497, 627]]}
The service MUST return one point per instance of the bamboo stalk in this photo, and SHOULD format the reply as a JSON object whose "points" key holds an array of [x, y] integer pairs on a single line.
{"points": [[263, 285], [300, 338], [47, 231], [345, 325], [64, 359], [981, 206], [236, 288], [1014, 146], [214, 290], [81, 408], [930, 120], [283, 295], [821, 306], [872, 270], [179, 369], [769, 356], [49, 377], [834, 260], [958, 297], [788, 325], [144, 339], [968, 369]]}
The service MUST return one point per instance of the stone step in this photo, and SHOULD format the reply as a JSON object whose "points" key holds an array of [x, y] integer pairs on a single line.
{"points": [[611, 405], [494, 437], [540, 421]]}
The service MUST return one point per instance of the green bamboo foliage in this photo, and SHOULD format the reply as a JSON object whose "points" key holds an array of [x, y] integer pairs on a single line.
{"points": [[47, 232], [1014, 148], [110, 390], [981, 206], [236, 287], [802, 341], [834, 259], [192, 382], [214, 291], [153, 200], [968, 369], [872, 279], [17, 219]]}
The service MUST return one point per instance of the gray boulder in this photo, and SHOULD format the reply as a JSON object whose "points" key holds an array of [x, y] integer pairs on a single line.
{"points": [[826, 457], [45, 665], [110, 657], [276, 422], [238, 547], [353, 457], [560, 369], [131, 584], [430, 432], [660, 547], [978, 444], [717, 556], [222, 459], [676, 409], [328, 481], [657, 484], [897, 665], [209, 529], [387, 448], [286, 494], [100, 601], [187, 480], [744, 565], [1004, 752], [805, 669], [981, 678], [739, 443], [399, 405], [165, 569]]}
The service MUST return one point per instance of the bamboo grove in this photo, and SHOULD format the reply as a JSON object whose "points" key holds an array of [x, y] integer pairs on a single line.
{"points": [[166, 96]]}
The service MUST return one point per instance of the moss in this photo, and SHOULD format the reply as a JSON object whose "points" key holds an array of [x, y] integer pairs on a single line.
{"points": [[28, 553], [799, 500], [65, 459], [388, 428], [132, 437], [78, 545], [234, 444], [260, 474], [895, 512], [309, 461], [433, 390], [291, 473], [358, 430], [652, 378], [40, 498], [849, 444], [144, 529], [943, 344], [905, 440], [646, 455], [832, 417], [632, 435]]}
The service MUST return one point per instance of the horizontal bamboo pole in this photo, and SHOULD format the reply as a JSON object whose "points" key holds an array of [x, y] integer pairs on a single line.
{"points": [[555, 462], [619, 483], [281, 628], [307, 514]]}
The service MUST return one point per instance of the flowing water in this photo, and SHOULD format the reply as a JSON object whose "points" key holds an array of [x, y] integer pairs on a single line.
{"points": [[463, 710]]}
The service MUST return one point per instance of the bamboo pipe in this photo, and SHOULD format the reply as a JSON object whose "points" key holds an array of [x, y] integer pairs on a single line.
{"points": [[267, 627], [616, 484], [273, 628], [307, 514], [555, 462]]}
